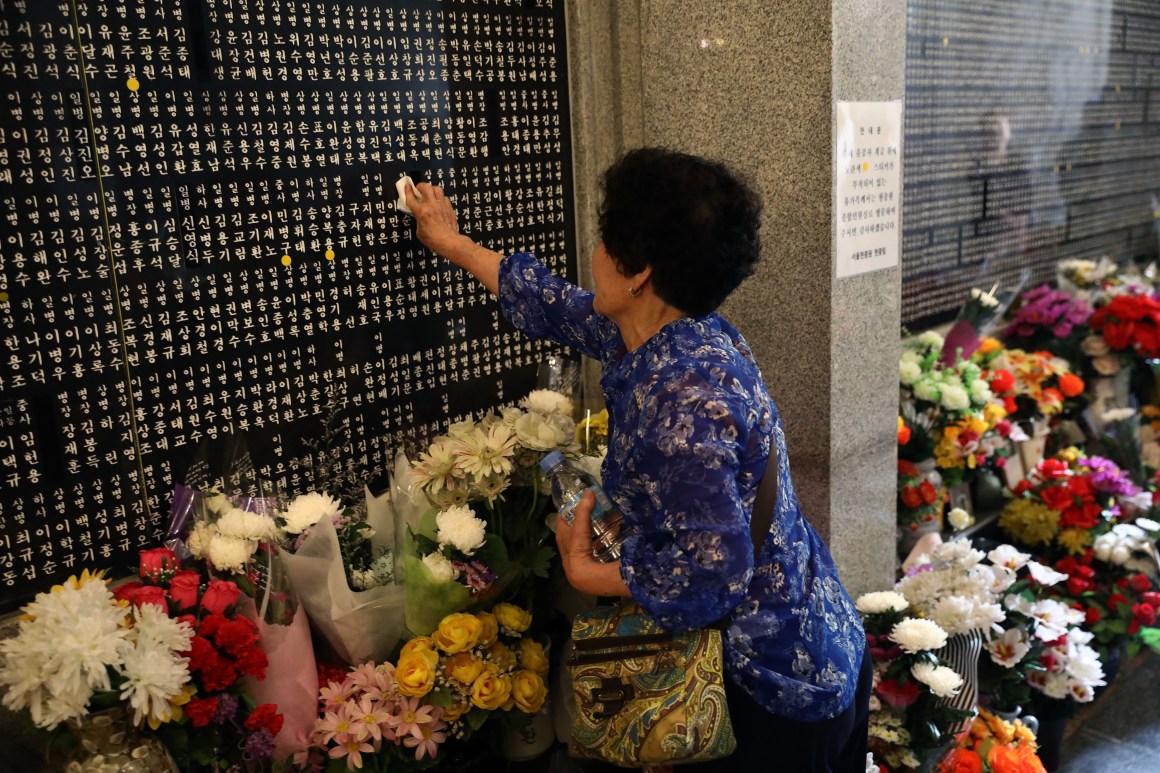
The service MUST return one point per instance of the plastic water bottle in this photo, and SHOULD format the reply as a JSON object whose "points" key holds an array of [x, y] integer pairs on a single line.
{"points": [[569, 483]]}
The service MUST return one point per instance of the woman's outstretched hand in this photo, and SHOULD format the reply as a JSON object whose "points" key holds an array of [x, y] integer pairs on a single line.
{"points": [[438, 229], [584, 572]]}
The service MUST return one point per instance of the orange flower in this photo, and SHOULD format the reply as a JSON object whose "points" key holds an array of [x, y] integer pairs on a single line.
{"points": [[1071, 385], [903, 432], [1014, 759], [961, 761]]}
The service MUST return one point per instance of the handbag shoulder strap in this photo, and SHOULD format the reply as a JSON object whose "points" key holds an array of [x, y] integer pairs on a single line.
{"points": [[763, 503]]}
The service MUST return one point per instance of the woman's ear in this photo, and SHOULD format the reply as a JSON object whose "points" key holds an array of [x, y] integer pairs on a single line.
{"points": [[640, 278]]}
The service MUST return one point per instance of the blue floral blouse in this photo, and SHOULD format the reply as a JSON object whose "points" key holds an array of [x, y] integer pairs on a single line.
{"points": [[690, 427]]}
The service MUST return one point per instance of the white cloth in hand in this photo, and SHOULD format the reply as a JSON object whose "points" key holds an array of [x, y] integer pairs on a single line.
{"points": [[401, 188]]}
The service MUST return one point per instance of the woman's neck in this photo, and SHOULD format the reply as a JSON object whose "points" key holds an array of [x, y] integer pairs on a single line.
{"points": [[646, 321]]}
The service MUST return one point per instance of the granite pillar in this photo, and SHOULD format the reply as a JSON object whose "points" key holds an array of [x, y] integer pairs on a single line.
{"points": [[754, 84]]}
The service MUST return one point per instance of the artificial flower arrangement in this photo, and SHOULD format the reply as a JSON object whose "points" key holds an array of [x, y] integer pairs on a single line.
{"points": [[953, 587], [1049, 320], [80, 649], [972, 442], [955, 390], [1066, 503], [1033, 386], [486, 535], [441, 689], [1084, 278], [220, 723], [920, 502], [909, 717], [993, 745], [977, 316], [1130, 323]]}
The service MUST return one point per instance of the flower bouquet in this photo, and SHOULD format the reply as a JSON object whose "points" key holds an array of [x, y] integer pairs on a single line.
{"points": [[1066, 502], [920, 501], [442, 688], [486, 535], [222, 724], [1052, 321], [993, 745], [1084, 278], [1033, 386], [909, 718], [977, 317], [972, 442]]}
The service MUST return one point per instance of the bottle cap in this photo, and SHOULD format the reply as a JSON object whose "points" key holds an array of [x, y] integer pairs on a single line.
{"points": [[551, 460]]}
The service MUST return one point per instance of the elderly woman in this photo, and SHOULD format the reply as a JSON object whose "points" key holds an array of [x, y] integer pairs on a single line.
{"points": [[691, 429]]}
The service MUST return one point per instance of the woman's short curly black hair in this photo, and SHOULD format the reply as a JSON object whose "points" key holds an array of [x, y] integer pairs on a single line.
{"points": [[692, 220]]}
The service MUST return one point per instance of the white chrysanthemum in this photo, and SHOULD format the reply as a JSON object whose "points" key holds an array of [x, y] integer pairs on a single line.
{"points": [[942, 681], [483, 454], [917, 635], [958, 552], [1009, 648], [959, 518], [460, 528], [980, 392], [881, 601], [931, 339], [927, 389], [909, 372], [216, 503], [238, 523], [154, 625], [199, 538], [547, 403], [307, 510], [229, 554], [1044, 575], [539, 433], [440, 568], [1008, 556], [153, 675], [954, 614], [955, 398]]}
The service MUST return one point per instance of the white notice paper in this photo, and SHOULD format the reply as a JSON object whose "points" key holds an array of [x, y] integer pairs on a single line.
{"points": [[868, 162]]}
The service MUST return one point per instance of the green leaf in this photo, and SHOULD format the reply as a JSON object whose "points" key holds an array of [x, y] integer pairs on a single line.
{"points": [[476, 717], [1150, 637], [541, 561]]}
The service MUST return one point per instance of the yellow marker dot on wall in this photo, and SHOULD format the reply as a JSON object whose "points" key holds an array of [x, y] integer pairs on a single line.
{"points": [[133, 84], [1117, 124], [3, 297], [865, 166], [1069, 167], [946, 41], [286, 260], [330, 254], [1057, 168], [1117, 88]]}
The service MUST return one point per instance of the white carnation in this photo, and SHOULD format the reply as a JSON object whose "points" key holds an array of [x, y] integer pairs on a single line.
{"points": [[955, 398], [909, 372], [238, 523], [199, 538], [535, 431], [959, 518], [931, 339], [942, 681], [881, 601], [460, 528], [309, 509], [229, 554], [980, 392], [917, 635], [927, 389], [440, 568], [547, 403]]}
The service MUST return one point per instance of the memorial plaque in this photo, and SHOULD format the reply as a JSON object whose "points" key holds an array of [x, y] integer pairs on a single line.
{"points": [[199, 238], [1031, 135]]}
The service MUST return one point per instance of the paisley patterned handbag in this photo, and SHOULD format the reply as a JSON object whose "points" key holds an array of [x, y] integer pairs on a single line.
{"points": [[647, 696]]}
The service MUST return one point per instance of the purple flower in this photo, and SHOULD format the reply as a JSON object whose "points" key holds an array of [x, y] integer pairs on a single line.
{"points": [[1044, 308], [1107, 478], [227, 709], [260, 745]]}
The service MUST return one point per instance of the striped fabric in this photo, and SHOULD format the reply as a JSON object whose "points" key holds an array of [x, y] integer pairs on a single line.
{"points": [[961, 652]]}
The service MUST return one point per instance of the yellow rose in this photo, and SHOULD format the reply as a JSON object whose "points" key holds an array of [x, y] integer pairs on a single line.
{"points": [[420, 645], [502, 657], [489, 630], [528, 691], [491, 690], [463, 668], [457, 632], [989, 345], [532, 656], [415, 675], [512, 617], [456, 710]]}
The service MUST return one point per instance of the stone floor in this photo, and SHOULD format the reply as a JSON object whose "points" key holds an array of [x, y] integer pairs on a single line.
{"points": [[1120, 733]]}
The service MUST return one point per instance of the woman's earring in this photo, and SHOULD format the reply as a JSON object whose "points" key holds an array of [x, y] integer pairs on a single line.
{"points": [[634, 291]]}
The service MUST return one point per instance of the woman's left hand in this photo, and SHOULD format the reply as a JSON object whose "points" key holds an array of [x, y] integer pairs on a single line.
{"points": [[584, 572]]}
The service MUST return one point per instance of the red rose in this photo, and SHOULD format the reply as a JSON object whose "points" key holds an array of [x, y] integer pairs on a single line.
{"points": [[1122, 583], [1081, 486], [1002, 381], [1133, 627], [1080, 517], [148, 594], [1151, 597], [252, 662], [154, 561], [911, 497], [1145, 613], [1067, 565], [928, 492], [183, 590], [1077, 586], [907, 468], [265, 717], [220, 676], [1085, 572], [1057, 497], [1010, 405], [219, 597], [1071, 385], [1119, 334], [235, 635], [1022, 487], [1092, 616], [201, 711], [898, 695], [1116, 600], [1052, 468], [121, 592], [1140, 583]]}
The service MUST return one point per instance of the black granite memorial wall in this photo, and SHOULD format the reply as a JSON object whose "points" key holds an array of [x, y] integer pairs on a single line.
{"points": [[198, 238]]}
